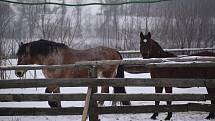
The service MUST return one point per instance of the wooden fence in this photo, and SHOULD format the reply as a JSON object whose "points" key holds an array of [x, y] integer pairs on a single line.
{"points": [[91, 97]]}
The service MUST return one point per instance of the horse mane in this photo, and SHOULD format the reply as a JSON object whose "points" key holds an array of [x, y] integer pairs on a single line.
{"points": [[159, 52], [42, 47]]}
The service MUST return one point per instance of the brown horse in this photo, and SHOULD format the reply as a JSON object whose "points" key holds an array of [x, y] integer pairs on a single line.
{"points": [[44, 52], [151, 49]]}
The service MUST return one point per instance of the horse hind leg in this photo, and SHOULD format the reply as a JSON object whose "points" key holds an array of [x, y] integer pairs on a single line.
{"points": [[169, 115], [211, 91], [120, 74], [121, 90], [104, 89], [157, 90], [210, 116], [57, 90], [53, 104]]}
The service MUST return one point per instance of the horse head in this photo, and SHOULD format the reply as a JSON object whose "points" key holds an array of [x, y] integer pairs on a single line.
{"points": [[148, 47], [42, 52], [23, 57], [145, 44]]}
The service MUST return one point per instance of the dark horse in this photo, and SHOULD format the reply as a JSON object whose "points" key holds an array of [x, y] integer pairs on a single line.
{"points": [[151, 49], [44, 52]]}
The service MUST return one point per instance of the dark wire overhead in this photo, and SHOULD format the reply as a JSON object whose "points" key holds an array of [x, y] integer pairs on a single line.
{"points": [[84, 4]]}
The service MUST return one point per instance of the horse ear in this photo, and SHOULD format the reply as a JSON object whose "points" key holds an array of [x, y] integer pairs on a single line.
{"points": [[141, 35], [20, 44], [149, 35]]}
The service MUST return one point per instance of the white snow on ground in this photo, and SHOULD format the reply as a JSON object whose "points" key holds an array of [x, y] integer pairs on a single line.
{"points": [[187, 116]]}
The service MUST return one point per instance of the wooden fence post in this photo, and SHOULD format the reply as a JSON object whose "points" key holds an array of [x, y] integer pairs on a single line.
{"points": [[93, 114], [90, 107]]}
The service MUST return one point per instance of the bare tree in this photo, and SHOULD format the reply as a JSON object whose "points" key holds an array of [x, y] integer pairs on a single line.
{"points": [[78, 30], [178, 23], [5, 19]]}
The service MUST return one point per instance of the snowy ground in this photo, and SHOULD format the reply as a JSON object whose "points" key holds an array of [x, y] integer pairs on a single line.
{"points": [[187, 116]]}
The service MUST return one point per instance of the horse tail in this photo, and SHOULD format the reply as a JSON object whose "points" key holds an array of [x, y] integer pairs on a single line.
{"points": [[121, 69], [120, 74]]}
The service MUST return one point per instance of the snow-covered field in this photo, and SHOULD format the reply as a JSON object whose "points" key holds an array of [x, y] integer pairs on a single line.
{"points": [[187, 116]]}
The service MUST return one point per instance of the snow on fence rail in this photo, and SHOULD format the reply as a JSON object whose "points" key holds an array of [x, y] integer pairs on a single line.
{"points": [[91, 97], [131, 66], [88, 64], [170, 50]]}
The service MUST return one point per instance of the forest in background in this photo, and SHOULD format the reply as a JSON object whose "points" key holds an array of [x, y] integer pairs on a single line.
{"points": [[174, 24]]}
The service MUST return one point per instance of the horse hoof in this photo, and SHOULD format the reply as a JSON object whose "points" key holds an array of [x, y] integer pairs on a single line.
{"points": [[114, 103], [210, 117], [126, 103], [54, 104], [167, 118], [153, 117], [100, 104]]}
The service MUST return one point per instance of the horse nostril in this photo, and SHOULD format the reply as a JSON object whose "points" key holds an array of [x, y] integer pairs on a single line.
{"points": [[19, 74]]}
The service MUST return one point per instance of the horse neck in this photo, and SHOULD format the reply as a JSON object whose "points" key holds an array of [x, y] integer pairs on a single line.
{"points": [[156, 51]]}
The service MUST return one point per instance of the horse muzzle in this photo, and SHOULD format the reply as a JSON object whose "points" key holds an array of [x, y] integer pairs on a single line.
{"points": [[20, 73]]}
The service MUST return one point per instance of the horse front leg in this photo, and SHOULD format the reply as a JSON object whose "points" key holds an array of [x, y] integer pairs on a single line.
{"points": [[211, 92], [104, 89], [120, 90], [169, 115], [157, 90], [53, 89]]}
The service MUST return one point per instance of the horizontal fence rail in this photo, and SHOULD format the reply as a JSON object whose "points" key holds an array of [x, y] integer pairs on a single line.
{"points": [[152, 108], [170, 50], [143, 62], [185, 51], [131, 66], [105, 97], [4, 111], [107, 110], [115, 82]]}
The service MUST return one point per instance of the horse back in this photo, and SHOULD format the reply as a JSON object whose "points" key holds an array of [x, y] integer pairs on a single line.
{"points": [[72, 56], [92, 54]]}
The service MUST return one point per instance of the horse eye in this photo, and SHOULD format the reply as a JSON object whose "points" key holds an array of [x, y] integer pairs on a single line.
{"points": [[21, 57], [24, 55], [145, 40]]}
